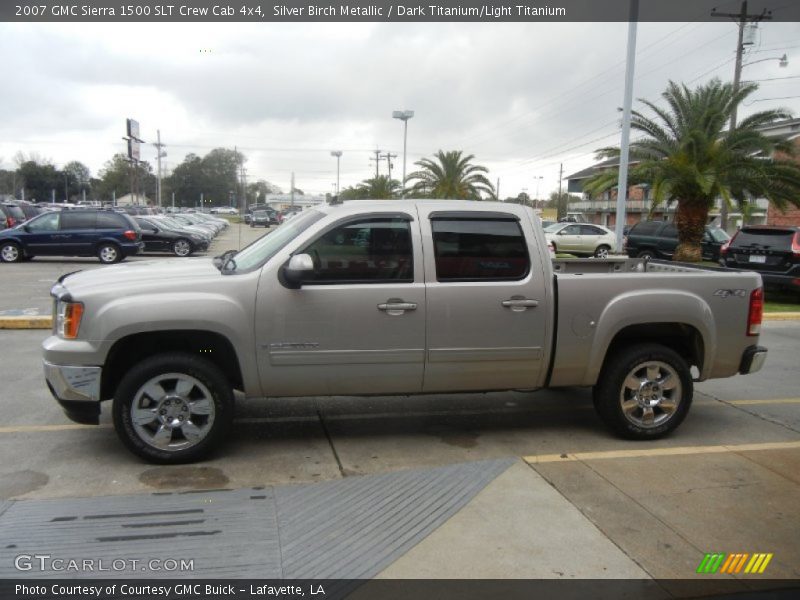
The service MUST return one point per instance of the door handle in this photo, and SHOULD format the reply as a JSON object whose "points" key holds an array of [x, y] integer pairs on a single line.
{"points": [[518, 304], [395, 306]]}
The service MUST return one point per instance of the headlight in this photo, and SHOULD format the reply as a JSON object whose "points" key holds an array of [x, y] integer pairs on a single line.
{"points": [[196, 237], [68, 319]]}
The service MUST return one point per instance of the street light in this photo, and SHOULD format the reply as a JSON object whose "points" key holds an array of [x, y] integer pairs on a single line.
{"points": [[538, 180], [404, 116], [338, 155], [783, 61]]}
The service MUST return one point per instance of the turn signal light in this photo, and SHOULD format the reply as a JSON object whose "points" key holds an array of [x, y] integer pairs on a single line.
{"points": [[68, 319]]}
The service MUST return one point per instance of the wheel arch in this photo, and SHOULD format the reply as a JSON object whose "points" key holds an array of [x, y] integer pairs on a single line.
{"points": [[133, 348]]}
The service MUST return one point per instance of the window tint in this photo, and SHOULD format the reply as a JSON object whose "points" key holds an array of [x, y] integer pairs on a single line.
{"points": [[670, 231], [773, 239], [48, 222], [590, 230], [645, 228], [110, 221], [371, 250], [470, 250], [78, 219], [572, 230]]}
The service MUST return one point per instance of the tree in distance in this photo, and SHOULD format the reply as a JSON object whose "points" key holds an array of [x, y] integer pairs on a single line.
{"points": [[450, 175], [689, 155]]}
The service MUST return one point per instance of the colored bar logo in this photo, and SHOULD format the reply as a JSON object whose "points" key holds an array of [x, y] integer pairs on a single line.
{"points": [[732, 564]]}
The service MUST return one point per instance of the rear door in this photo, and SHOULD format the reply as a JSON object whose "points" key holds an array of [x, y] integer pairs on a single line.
{"points": [[78, 233], [485, 329], [667, 240]]}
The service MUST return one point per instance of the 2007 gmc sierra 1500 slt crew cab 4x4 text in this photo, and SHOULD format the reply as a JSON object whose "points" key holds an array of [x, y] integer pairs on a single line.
{"points": [[391, 297]]}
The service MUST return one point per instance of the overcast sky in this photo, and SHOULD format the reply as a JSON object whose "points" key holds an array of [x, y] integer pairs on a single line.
{"points": [[521, 97]]}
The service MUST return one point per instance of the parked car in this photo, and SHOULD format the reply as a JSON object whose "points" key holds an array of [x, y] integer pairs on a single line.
{"points": [[30, 209], [191, 219], [224, 210], [260, 218], [581, 239], [658, 239], [172, 223], [158, 237], [108, 235], [13, 213], [770, 250], [216, 221], [461, 297]]}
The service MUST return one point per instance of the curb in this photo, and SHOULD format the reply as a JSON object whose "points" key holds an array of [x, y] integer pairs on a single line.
{"points": [[43, 322], [39, 322]]}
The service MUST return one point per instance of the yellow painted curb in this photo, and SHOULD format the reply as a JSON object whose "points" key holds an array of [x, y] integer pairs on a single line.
{"points": [[782, 316], [39, 322]]}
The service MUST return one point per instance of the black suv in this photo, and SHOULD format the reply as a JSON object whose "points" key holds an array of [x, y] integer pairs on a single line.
{"points": [[108, 235], [658, 239], [772, 251]]}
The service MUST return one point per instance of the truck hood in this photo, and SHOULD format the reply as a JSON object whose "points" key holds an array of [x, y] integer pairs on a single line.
{"points": [[143, 275]]}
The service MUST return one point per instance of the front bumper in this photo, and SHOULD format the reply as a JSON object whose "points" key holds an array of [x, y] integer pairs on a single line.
{"points": [[753, 359], [77, 390]]}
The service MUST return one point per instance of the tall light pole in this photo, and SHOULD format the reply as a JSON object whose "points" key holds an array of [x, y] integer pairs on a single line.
{"points": [[404, 116], [160, 154], [338, 155], [536, 199]]}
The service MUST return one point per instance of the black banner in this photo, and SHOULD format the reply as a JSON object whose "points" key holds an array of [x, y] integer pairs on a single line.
{"points": [[401, 11], [416, 589]]}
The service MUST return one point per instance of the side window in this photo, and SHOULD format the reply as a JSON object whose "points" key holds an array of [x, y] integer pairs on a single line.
{"points": [[109, 221], [589, 230], [572, 230], [477, 250], [48, 222], [369, 251], [670, 231], [645, 228], [78, 219]]}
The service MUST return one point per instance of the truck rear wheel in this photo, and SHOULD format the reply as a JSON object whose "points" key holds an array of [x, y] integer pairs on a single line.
{"points": [[173, 408], [644, 392]]}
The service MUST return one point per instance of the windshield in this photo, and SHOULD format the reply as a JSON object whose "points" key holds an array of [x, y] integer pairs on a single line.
{"points": [[266, 247]]}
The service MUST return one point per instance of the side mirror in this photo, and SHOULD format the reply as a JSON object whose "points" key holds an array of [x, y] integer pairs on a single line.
{"points": [[299, 266]]}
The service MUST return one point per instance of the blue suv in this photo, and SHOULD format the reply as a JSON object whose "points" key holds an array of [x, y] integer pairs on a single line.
{"points": [[108, 235]]}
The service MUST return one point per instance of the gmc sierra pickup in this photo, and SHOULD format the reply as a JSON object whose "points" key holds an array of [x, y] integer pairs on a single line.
{"points": [[391, 297]]}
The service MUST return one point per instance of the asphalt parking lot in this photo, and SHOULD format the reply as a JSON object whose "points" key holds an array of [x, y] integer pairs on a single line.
{"points": [[571, 501]]}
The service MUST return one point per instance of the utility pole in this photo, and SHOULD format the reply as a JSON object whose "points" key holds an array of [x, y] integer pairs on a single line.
{"points": [[742, 19], [292, 189], [389, 156], [497, 190], [377, 160], [159, 155], [561, 208], [622, 181]]}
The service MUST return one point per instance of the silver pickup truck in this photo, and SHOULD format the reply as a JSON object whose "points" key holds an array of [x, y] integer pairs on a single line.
{"points": [[391, 297]]}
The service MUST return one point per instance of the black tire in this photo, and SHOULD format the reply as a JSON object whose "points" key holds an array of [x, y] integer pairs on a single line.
{"points": [[11, 252], [640, 415], [602, 251], [208, 387], [109, 253], [648, 254], [182, 247]]}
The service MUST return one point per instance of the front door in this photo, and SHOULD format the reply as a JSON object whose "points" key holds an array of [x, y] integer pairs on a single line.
{"points": [[43, 235], [569, 239], [357, 324], [487, 302]]}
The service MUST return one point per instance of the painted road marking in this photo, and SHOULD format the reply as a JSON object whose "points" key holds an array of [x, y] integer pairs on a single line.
{"points": [[648, 452]]}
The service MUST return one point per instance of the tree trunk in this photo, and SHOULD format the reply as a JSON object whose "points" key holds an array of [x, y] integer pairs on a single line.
{"points": [[691, 223]]}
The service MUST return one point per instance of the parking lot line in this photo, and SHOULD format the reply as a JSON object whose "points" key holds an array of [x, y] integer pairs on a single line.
{"points": [[649, 452], [774, 401]]}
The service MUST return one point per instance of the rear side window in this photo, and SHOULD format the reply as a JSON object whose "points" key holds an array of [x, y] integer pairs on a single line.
{"points": [[479, 250], [78, 219], [645, 228], [110, 221], [768, 239], [14, 211], [670, 231], [591, 230]]}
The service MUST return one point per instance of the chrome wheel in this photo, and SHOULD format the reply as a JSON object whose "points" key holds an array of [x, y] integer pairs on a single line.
{"points": [[601, 252], [182, 248], [10, 253], [651, 394], [108, 254], [172, 412]]}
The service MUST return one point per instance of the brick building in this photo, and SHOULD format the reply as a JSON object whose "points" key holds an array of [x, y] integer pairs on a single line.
{"points": [[602, 209]]}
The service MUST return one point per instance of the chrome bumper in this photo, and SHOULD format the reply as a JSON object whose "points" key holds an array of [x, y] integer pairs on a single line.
{"points": [[73, 384], [753, 359]]}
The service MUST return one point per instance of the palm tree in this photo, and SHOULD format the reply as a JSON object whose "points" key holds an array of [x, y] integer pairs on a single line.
{"points": [[377, 188], [450, 176], [689, 156]]}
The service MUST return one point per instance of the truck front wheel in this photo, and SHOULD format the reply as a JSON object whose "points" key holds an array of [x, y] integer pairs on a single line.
{"points": [[173, 408], [644, 392]]}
